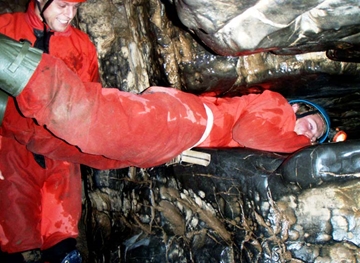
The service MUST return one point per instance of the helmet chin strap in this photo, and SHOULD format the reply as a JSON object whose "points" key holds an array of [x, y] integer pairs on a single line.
{"points": [[298, 116], [43, 38], [44, 8]]}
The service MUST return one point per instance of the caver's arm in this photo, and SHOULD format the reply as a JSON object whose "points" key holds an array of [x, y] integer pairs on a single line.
{"points": [[263, 121], [268, 124], [39, 140], [267, 137], [58, 149]]}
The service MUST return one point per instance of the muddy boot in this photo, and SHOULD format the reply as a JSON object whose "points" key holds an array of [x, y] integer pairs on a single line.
{"points": [[63, 252], [18, 62]]}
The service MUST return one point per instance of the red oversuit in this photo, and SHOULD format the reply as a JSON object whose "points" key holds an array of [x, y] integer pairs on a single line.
{"points": [[40, 207]]}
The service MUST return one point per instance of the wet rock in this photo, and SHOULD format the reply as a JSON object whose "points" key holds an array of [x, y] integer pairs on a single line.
{"points": [[241, 209], [284, 27]]}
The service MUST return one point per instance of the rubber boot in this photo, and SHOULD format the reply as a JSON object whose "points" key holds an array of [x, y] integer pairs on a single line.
{"points": [[73, 257], [63, 252], [18, 62]]}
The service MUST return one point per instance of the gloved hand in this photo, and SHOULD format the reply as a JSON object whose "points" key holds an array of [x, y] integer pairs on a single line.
{"points": [[18, 62]]}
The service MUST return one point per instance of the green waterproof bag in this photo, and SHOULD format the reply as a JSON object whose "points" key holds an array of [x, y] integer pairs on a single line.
{"points": [[18, 61]]}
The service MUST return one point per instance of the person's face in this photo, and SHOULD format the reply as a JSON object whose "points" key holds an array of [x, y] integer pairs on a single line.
{"points": [[59, 13], [312, 126]]}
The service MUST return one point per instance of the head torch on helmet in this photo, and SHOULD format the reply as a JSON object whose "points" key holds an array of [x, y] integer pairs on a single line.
{"points": [[337, 135], [322, 113]]}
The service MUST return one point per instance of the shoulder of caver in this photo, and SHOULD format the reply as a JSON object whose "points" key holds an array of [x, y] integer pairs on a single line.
{"points": [[10, 20]]}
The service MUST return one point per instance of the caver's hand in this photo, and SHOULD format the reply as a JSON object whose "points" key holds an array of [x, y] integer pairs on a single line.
{"points": [[1, 176]]}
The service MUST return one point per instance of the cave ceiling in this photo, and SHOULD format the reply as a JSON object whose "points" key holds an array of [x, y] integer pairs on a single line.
{"points": [[246, 206]]}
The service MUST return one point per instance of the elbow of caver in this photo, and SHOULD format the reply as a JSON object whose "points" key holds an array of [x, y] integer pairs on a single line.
{"points": [[196, 157]]}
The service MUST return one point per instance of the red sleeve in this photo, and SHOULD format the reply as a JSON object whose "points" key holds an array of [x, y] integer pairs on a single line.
{"points": [[267, 123], [52, 147], [39, 140], [266, 136]]}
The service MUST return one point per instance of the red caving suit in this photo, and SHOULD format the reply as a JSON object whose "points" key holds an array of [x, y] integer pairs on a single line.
{"points": [[40, 207]]}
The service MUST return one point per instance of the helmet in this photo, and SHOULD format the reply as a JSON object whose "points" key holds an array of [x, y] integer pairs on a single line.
{"points": [[323, 114]]}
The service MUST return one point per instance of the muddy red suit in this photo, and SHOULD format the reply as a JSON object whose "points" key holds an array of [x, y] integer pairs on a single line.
{"points": [[39, 224]]}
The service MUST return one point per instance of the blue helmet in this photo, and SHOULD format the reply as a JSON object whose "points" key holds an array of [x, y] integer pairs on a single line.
{"points": [[322, 112]]}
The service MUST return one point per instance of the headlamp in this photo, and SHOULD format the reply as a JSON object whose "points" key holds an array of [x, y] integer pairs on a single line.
{"points": [[337, 135]]}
